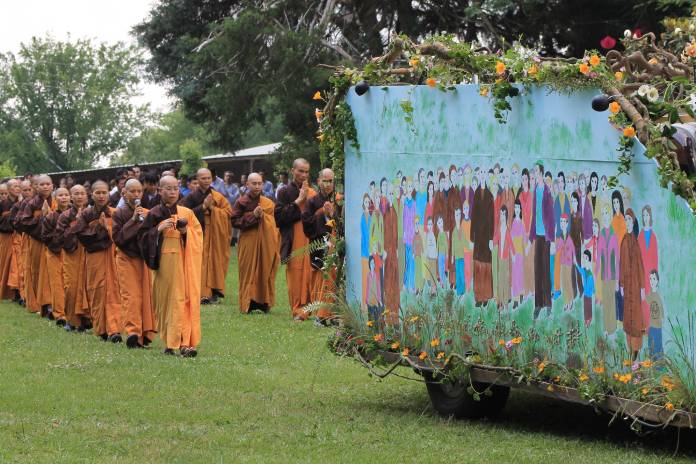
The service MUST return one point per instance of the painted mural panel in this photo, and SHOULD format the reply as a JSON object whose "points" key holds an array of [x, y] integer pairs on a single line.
{"points": [[457, 213]]}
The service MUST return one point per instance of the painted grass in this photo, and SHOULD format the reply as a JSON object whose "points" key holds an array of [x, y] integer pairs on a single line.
{"points": [[264, 389]]}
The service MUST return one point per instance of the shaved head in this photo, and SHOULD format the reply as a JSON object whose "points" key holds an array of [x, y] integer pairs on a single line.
{"points": [[300, 171], [12, 182], [169, 190], [299, 162], [167, 173], [62, 191], [168, 180], [255, 184], [204, 178], [254, 177], [131, 183], [77, 188], [98, 183], [326, 172], [42, 178], [326, 181], [203, 171], [78, 195]]}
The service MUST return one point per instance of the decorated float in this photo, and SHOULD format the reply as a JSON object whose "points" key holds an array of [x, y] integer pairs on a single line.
{"points": [[514, 221]]}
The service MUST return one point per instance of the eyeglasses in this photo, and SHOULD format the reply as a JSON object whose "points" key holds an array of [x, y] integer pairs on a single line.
{"points": [[170, 189]]}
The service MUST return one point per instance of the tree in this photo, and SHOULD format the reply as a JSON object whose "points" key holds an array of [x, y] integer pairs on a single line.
{"points": [[67, 105], [191, 154]]}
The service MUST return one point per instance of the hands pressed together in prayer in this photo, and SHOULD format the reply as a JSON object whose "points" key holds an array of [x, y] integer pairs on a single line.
{"points": [[208, 202], [303, 193], [258, 212], [328, 209], [45, 209]]}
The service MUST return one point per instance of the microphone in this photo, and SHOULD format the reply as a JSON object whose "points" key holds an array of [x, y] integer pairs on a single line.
{"points": [[137, 203]]}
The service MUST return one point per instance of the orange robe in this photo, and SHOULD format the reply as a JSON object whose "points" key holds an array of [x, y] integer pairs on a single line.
{"points": [[6, 291], [56, 286], [74, 279], [257, 252], [176, 284]]}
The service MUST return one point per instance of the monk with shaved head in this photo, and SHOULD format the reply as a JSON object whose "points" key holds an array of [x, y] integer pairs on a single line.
{"points": [[16, 279], [93, 230], [38, 294], [6, 232], [73, 256], [257, 250], [171, 240], [133, 275], [213, 212], [322, 224], [53, 240], [288, 215]]}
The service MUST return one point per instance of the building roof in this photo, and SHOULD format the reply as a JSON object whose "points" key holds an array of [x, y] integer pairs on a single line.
{"points": [[253, 152]]}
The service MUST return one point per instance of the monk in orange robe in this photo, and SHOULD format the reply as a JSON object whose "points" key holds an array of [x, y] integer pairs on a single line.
{"points": [[291, 201], [14, 196], [213, 211], [6, 232], [73, 256], [134, 280], [20, 240], [38, 294], [171, 241], [53, 240], [321, 221], [257, 249], [93, 230]]}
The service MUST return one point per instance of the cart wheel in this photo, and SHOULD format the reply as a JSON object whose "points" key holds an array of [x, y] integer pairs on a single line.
{"points": [[453, 399]]}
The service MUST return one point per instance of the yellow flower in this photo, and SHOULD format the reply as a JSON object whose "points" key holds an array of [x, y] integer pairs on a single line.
{"points": [[616, 376], [669, 407], [441, 355], [431, 82], [583, 377], [625, 378], [499, 80], [598, 369], [618, 75], [584, 68], [594, 60], [331, 223], [500, 68], [646, 363], [395, 346], [414, 61], [435, 342], [629, 132], [318, 114], [627, 362], [317, 96], [370, 323], [422, 355], [645, 391], [483, 91], [533, 71], [667, 383], [378, 337], [516, 340], [414, 318], [501, 342], [614, 107], [541, 367], [405, 352]]}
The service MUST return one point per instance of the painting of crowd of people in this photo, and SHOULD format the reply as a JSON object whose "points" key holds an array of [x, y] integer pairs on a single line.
{"points": [[508, 234]]}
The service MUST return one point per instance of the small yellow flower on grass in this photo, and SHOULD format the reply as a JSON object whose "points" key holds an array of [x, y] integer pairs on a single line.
{"points": [[499, 80], [594, 60], [414, 319], [318, 114], [435, 342], [618, 75], [395, 345], [629, 132], [627, 362], [422, 355], [583, 377], [614, 107], [431, 82], [669, 407], [583, 68], [405, 352], [557, 379]]}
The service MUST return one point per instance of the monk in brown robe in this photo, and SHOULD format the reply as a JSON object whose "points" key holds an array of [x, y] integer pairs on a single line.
{"points": [[93, 230], [6, 232], [53, 240], [73, 256], [171, 241], [134, 281], [392, 286], [213, 211], [293, 241], [21, 238], [38, 295], [321, 220], [631, 286], [14, 196], [257, 249], [482, 222]]}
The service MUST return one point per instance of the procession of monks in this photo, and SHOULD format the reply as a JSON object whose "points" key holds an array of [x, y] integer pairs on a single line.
{"points": [[134, 273]]}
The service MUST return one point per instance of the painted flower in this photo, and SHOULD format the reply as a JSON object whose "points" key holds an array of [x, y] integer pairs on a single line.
{"points": [[541, 367], [414, 319], [669, 406], [608, 42], [378, 337], [645, 391], [422, 355], [533, 70], [501, 342], [626, 362], [405, 352], [516, 340], [317, 96], [435, 342], [441, 355], [508, 345], [583, 68], [594, 60], [483, 91], [370, 323], [647, 363], [629, 132], [614, 107], [395, 345], [414, 61], [583, 377], [618, 75], [635, 367], [598, 369], [431, 82], [500, 68]]}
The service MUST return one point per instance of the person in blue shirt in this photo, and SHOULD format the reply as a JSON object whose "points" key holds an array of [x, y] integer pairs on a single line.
{"points": [[268, 191], [588, 284], [229, 188]]}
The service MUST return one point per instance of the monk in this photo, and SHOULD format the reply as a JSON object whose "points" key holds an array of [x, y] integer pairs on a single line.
{"points": [[53, 240], [14, 196], [257, 250], [321, 220], [6, 231], [38, 295], [21, 239], [93, 230], [171, 241], [213, 211], [73, 256], [293, 242], [134, 282]]}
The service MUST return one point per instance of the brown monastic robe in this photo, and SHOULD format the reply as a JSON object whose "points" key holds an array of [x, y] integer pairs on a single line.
{"points": [[134, 279], [632, 281], [482, 220], [6, 250], [392, 288], [100, 269], [175, 259], [257, 252], [54, 262], [74, 279], [217, 235], [15, 279], [288, 217]]}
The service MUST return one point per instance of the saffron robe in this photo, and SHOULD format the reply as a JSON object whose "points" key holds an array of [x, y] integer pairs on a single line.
{"points": [[257, 251], [134, 279], [74, 279], [175, 259], [14, 280], [54, 262], [6, 250], [217, 235]]}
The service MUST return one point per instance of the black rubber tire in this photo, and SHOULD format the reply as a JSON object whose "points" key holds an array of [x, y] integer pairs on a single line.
{"points": [[454, 400]]}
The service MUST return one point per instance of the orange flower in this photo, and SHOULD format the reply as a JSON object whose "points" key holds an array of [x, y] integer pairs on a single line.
{"points": [[516, 340], [584, 68], [500, 68], [557, 379], [616, 376], [614, 107], [541, 367], [652, 61], [618, 75], [395, 346], [435, 342], [583, 377], [625, 378], [405, 352], [594, 60], [422, 355], [317, 96], [646, 363], [533, 71], [414, 61], [501, 342], [645, 391], [318, 114], [629, 132], [667, 383], [378, 337], [331, 223], [669, 407], [431, 82], [598, 369], [441, 355], [370, 323]]}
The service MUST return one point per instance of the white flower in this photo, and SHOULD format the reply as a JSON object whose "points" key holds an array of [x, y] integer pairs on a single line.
{"points": [[692, 101], [627, 33], [677, 30], [652, 94], [643, 90], [692, 27]]}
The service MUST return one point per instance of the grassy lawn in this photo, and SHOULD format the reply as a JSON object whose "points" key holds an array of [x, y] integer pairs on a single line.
{"points": [[265, 389]]}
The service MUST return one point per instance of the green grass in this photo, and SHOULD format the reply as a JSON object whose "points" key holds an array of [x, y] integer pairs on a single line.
{"points": [[264, 389]]}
